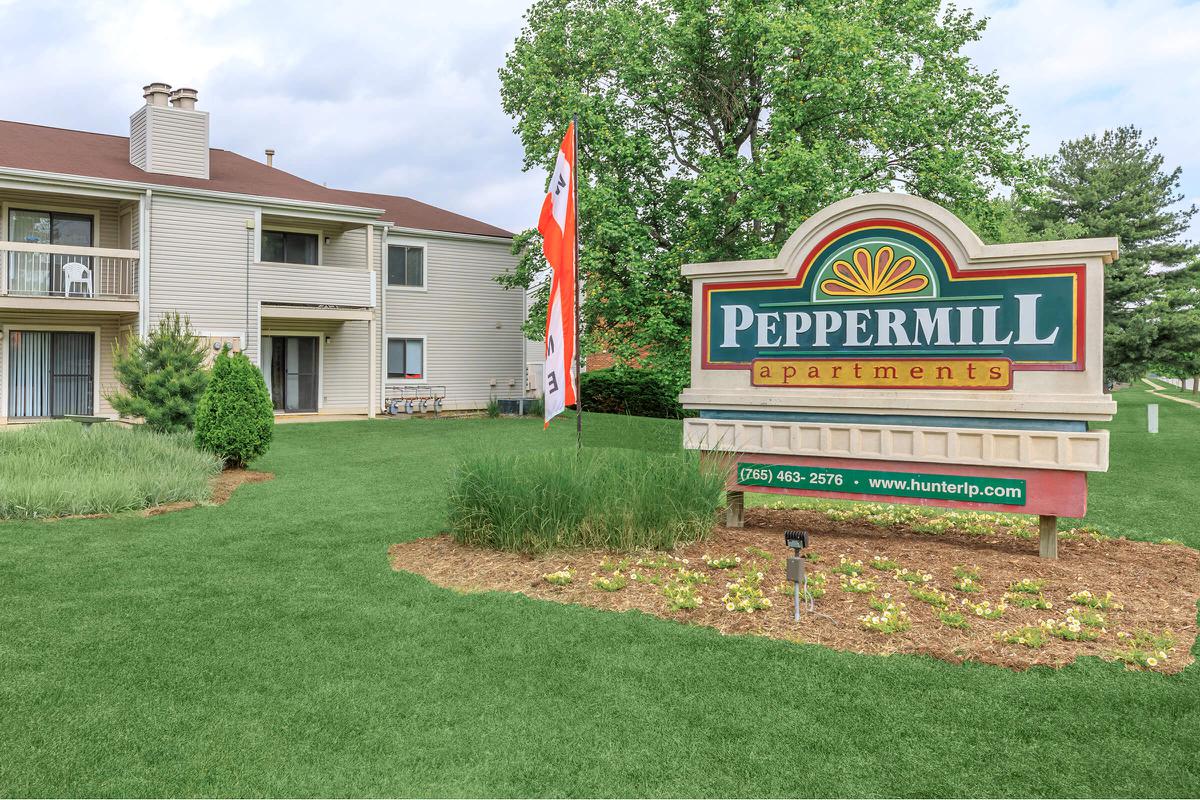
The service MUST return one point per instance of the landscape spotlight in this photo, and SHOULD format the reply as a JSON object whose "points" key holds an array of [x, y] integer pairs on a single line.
{"points": [[797, 540]]}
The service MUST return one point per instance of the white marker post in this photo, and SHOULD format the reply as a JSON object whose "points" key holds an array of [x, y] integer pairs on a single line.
{"points": [[1152, 417]]}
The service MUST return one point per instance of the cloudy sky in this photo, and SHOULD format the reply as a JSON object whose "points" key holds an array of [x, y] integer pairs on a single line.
{"points": [[402, 97]]}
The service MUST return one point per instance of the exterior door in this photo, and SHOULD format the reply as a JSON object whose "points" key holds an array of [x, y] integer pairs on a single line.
{"points": [[294, 373], [41, 273], [51, 373]]}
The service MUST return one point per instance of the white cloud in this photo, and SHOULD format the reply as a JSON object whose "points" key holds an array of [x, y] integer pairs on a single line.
{"points": [[1077, 67], [403, 97]]}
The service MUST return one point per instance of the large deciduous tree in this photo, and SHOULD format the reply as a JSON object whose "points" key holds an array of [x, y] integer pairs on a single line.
{"points": [[1115, 184], [710, 129]]}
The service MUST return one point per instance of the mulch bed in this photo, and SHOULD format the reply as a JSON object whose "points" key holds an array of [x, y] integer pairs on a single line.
{"points": [[1158, 585], [223, 486]]}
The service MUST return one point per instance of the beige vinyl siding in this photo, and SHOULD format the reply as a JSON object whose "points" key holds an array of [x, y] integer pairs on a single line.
{"points": [[137, 138], [299, 283], [471, 325], [346, 250], [177, 141], [345, 369], [105, 233], [112, 329], [198, 265]]}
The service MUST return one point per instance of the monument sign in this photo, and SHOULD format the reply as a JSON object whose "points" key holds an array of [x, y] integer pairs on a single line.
{"points": [[887, 354]]}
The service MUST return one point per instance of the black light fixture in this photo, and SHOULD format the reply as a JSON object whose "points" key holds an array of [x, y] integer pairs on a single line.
{"points": [[797, 540]]}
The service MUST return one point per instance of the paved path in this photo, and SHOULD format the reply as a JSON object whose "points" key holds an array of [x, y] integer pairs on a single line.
{"points": [[1158, 392]]}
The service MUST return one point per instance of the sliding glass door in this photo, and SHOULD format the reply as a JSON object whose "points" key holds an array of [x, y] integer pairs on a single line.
{"points": [[51, 373], [42, 273], [293, 368]]}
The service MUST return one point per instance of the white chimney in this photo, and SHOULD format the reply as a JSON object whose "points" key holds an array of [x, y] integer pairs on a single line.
{"points": [[156, 94], [170, 139], [184, 99], [270, 157]]}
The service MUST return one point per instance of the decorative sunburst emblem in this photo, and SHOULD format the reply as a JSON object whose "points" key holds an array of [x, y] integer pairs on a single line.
{"points": [[887, 275]]}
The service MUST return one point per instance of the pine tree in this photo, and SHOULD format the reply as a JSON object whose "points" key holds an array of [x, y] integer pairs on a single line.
{"points": [[1115, 185], [162, 376]]}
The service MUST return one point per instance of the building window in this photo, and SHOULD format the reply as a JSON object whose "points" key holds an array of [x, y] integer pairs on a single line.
{"points": [[406, 358], [406, 266], [289, 247]]}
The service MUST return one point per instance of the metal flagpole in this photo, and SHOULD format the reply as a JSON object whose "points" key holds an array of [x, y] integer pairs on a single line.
{"points": [[578, 292]]}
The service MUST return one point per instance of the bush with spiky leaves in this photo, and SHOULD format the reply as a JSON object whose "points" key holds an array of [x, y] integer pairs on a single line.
{"points": [[162, 376], [235, 418]]}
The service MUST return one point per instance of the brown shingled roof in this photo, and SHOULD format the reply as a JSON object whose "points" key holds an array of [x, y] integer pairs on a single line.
{"points": [[409, 213], [99, 155]]}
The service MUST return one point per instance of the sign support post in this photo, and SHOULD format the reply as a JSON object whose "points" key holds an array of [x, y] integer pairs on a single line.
{"points": [[735, 509], [1048, 536]]}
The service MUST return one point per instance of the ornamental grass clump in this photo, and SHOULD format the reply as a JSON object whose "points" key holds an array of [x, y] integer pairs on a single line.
{"points": [[606, 498], [56, 469]]}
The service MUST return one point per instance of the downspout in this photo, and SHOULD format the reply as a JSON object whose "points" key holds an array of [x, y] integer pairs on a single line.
{"points": [[383, 254], [144, 263], [246, 336]]}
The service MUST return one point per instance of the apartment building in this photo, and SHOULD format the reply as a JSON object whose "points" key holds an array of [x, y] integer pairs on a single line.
{"points": [[344, 299]]}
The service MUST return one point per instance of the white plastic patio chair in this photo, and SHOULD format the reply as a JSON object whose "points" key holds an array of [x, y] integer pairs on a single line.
{"points": [[75, 274]]}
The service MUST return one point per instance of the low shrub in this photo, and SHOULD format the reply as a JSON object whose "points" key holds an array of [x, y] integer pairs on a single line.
{"points": [[235, 419], [627, 390], [62, 468], [596, 498]]}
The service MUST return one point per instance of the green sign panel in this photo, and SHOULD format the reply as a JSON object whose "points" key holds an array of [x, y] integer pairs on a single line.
{"points": [[885, 288], [967, 488]]}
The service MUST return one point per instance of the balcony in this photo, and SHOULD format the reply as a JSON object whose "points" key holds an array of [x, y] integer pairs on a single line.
{"points": [[67, 276], [313, 285]]}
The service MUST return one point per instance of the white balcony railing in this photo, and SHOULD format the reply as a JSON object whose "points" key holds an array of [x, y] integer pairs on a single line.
{"points": [[50, 270]]}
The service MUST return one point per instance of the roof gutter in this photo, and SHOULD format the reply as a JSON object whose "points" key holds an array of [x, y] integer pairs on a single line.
{"points": [[138, 187], [476, 237]]}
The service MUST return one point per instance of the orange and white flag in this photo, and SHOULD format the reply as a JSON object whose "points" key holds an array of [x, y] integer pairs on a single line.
{"points": [[557, 226]]}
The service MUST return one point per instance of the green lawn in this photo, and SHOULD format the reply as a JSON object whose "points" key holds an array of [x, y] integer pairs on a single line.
{"points": [[266, 648]]}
